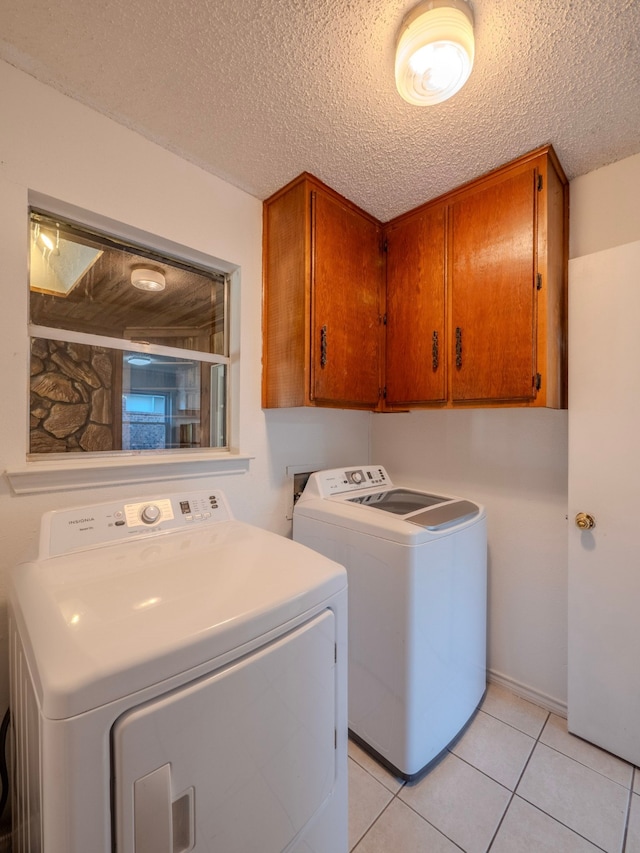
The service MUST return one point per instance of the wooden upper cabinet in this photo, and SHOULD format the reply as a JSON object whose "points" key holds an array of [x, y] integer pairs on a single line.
{"points": [[503, 289], [508, 250], [416, 346], [322, 300], [472, 287], [493, 292]]}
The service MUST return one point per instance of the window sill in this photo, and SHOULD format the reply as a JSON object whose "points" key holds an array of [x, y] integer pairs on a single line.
{"points": [[63, 475]]}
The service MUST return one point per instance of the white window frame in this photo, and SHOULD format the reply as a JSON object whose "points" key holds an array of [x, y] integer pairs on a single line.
{"points": [[44, 473]]}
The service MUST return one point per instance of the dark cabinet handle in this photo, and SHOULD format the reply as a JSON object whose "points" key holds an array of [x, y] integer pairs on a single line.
{"points": [[458, 347], [323, 346], [435, 355]]}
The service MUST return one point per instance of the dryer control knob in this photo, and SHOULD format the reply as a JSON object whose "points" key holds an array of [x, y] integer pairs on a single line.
{"points": [[150, 514]]}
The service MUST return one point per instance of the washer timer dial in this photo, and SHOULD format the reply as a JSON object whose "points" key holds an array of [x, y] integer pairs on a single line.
{"points": [[150, 514]]}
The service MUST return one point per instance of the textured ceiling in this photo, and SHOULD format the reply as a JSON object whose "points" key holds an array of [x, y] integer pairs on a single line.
{"points": [[257, 91]]}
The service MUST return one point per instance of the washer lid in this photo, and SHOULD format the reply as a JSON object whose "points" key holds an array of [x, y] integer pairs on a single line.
{"points": [[444, 515], [101, 624]]}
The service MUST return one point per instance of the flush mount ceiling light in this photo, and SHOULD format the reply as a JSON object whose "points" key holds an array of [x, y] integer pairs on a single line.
{"points": [[139, 359], [147, 279], [434, 51]]}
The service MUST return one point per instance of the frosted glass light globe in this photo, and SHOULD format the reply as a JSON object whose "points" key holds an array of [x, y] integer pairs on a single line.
{"points": [[435, 51]]}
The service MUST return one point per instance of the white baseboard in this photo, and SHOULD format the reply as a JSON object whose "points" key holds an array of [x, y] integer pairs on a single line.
{"points": [[529, 693]]}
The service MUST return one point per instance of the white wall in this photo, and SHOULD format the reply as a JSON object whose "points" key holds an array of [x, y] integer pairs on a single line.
{"points": [[515, 462], [604, 208], [53, 146]]}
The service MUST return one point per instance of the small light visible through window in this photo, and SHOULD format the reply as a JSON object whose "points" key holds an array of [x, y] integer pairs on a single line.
{"points": [[122, 368]]}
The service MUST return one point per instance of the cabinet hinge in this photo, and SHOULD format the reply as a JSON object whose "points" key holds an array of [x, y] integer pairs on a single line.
{"points": [[335, 738], [539, 183], [537, 382], [539, 281], [335, 653]]}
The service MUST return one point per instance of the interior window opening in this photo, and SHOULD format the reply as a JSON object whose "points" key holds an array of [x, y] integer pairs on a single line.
{"points": [[129, 349]]}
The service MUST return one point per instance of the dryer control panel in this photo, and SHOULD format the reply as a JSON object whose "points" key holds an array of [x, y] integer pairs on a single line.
{"points": [[340, 480], [63, 531]]}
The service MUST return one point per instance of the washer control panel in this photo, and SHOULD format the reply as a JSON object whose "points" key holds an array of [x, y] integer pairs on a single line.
{"points": [[63, 531], [341, 480]]}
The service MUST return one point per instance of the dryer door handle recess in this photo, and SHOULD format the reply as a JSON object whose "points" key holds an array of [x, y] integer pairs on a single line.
{"points": [[162, 826]]}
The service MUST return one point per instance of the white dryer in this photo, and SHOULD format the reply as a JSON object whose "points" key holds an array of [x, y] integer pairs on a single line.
{"points": [[417, 569], [178, 683]]}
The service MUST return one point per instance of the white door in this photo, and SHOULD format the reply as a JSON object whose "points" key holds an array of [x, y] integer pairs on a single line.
{"points": [[604, 482], [240, 761]]}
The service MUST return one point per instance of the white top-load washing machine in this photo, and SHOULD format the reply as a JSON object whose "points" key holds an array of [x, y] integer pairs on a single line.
{"points": [[178, 683], [416, 564]]}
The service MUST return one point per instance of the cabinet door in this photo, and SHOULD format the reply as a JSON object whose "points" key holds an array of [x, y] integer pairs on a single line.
{"points": [[285, 301], [415, 353], [346, 271], [493, 340]]}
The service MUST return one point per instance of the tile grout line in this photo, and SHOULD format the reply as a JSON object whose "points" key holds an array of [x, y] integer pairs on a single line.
{"points": [[478, 770], [512, 726], [417, 813], [377, 818], [450, 752], [372, 824], [427, 821], [557, 820], [588, 767], [518, 780], [396, 796], [564, 825], [628, 814], [366, 770], [536, 740], [566, 755]]}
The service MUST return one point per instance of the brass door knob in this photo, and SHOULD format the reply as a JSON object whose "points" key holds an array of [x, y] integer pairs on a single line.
{"points": [[585, 521]]}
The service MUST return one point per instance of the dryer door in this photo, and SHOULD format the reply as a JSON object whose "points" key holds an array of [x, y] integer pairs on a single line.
{"points": [[238, 761]]}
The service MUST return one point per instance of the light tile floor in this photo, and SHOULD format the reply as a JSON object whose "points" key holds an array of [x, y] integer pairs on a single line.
{"points": [[516, 782]]}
